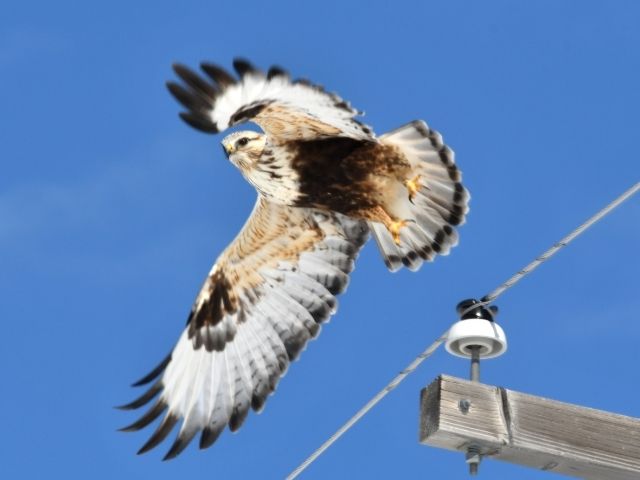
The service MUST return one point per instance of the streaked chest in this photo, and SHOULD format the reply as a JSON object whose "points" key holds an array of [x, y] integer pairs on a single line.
{"points": [[273, 176]]}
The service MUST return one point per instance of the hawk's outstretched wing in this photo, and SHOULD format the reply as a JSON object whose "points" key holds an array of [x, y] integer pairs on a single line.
{"points": [[284, 109], [264, 298]]}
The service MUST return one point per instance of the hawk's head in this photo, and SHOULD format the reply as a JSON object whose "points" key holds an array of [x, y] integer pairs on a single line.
{"points": [[244, 149]]}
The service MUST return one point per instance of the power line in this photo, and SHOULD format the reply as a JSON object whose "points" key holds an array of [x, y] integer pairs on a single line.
{"points": [[490, 297], [487, 299], [370, 404]]}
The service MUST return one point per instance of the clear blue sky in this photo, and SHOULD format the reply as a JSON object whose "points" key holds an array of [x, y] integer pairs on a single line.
{"points": [[112, 211]]}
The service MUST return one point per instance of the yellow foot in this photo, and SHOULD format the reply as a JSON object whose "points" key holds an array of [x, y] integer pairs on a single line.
{"points": [[413, 185], [394, 229]]}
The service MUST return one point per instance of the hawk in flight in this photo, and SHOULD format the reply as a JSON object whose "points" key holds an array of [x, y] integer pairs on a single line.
{"points": [[324, 181]]}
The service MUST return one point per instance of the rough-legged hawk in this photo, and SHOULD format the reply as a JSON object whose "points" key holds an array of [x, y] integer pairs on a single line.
{"points": [[324, 180]]}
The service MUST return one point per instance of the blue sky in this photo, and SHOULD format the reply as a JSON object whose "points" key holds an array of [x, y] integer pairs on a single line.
{"points": [[112, 211]]}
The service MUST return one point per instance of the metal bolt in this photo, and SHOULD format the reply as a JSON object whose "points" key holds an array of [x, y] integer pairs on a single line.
{"points": [[475, 362], [473, 458], [464, 405]]}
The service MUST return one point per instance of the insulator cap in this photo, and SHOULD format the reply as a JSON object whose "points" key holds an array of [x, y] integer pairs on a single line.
{"points": [[476, 328], [467, 309]]}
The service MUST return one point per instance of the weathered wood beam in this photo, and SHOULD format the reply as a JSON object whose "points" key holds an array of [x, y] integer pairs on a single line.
{"points": [[528, 430]]}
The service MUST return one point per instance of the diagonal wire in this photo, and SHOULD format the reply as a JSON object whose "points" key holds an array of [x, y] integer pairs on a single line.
{"points": [[486, 300], [490, 297], [370, 404]]}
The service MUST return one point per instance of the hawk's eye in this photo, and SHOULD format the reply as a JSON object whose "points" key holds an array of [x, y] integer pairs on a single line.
{"points": [[242, 142]]}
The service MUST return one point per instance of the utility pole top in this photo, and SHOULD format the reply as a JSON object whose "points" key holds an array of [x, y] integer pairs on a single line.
{"points": [[528, 430]]}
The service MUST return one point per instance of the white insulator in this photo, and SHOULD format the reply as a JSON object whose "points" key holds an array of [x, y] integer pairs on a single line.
{"points": [[485, 334]]}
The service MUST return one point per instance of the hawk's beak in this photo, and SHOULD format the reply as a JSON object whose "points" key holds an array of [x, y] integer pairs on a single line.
{"points": [[228, 148]]}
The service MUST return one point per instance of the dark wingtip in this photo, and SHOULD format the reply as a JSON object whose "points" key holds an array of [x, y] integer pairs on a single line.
{"points": [[276, 71], [181, 442], [177, 67], [169, 456], [160, 434], [153, 413], [209, 436], [218, 74], [198, 122], [196, 82], [242, 67], [174, 89], [258, 400], [154, 373], [189, 98], [238, 417], [142, 399]]}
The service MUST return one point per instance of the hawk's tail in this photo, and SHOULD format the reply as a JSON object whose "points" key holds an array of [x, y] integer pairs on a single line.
{"points": [[431, 200]]}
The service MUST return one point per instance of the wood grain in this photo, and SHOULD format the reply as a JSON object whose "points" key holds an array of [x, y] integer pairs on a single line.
{"points": [[529, 430]]}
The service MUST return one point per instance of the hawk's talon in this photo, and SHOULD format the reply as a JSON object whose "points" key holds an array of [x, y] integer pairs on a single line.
{"points": [[394, 229], [414, 185]]}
